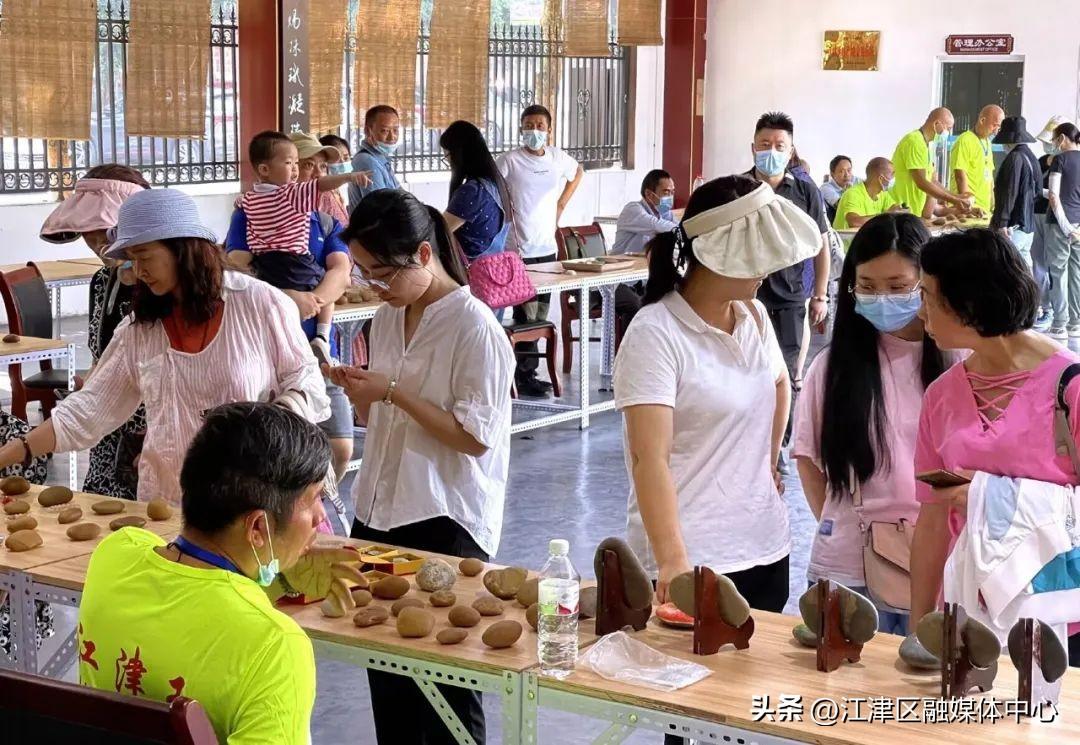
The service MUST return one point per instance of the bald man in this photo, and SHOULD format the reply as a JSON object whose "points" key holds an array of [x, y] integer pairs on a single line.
{"points": [[971, 160], [869, 198], [914, 171]]}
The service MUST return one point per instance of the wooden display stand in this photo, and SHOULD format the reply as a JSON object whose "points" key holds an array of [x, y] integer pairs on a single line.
{"points": [[711, 631], [613, 613], [958, 675], [1034, 688], [832, 647]]}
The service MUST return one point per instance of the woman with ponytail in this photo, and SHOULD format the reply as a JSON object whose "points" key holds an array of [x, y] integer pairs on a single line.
{"points": [[437, 449], [704, 391]]}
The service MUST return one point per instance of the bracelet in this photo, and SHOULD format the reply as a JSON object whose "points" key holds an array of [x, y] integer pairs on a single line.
{"points": [[389, 397], [821, 298], [28, 454]]}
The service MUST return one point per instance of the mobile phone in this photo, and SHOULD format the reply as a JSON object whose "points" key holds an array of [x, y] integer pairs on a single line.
{"points": [[320, 356], [942, 479]]}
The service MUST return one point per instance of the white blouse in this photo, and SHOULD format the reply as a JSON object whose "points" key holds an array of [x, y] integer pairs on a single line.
{"points": [[259, 353], [722, 388], [460, 360]]}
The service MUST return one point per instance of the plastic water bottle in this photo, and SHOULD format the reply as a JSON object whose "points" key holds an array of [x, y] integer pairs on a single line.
{"points": [[697, 182], [557, 619]]}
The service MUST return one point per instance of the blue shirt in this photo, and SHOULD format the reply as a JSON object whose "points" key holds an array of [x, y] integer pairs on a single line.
{"points": [[639, 222], [382, 174], [320, 246], [482, 215]]}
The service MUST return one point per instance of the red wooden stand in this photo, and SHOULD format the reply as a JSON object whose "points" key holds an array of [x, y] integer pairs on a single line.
{"points": [[832, 647], [613, 613], [958, 675], [1034, 688], [711, 631]]}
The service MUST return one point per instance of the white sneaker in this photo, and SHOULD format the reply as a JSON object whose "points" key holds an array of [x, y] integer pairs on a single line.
{"points": [[1058, 334], [1074, 331], [321, 348]]}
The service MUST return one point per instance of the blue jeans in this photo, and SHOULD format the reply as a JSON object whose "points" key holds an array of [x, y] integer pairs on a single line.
{"points": [[890, 621]]}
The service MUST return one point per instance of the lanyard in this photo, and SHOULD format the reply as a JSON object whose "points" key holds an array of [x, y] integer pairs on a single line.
{"points": [[184, 546]]}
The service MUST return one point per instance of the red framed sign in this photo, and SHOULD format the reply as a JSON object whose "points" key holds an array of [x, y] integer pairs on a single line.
{"points": [[979, 44]]}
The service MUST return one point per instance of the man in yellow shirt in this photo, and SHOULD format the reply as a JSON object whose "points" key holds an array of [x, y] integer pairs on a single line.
{"points": [[914, 171], [869, 198], [192, 618], [971, 160]]}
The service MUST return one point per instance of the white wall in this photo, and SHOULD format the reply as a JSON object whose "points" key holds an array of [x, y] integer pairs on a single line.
{"points": [[766, 54], [601, 192]]}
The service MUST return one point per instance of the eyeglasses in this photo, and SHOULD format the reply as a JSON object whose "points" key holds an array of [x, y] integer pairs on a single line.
{"points": [[382, 285], [879, 296]]}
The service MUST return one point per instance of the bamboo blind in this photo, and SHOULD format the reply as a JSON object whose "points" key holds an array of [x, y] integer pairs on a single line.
{"points": [[328, 22], [168, 66], [457, 84], [385, 67], [46, 68], [639, 23], [586, 25], [549, 75]]}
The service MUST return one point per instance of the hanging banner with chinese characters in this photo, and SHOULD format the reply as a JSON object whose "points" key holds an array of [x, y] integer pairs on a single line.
{"points": [[979, 44], [457, 73], [385, 69], [639, 23], [168, 65], [295, 78], [586, 25], [46, 68], [328, 22]]}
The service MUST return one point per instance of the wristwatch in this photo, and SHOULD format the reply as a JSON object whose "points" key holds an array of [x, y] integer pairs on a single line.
{"points": [[389, 397]]}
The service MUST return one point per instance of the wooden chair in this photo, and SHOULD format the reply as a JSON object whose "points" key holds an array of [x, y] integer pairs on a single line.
{"points": [[537, 331], [34, 708], [29, 313], [583, 241]]}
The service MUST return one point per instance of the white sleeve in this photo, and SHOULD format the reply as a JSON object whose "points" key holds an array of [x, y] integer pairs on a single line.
{"points": [[503, 164], [1059, 209], [636, 219], [646, 368], [567, 165], [480, 382], [301, 387], [108, 398], [773, 355]]}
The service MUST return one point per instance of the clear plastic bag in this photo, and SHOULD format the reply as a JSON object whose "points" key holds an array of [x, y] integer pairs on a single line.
{"points": [[620, 657]]}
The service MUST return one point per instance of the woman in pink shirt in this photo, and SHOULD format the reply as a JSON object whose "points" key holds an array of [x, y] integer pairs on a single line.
{"points": [[857, 417], [993, 412]]}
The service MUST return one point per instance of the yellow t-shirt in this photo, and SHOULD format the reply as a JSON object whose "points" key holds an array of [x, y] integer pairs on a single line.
{"points": [[975, 157], [912, 152], [152, 628], [858, 200]]}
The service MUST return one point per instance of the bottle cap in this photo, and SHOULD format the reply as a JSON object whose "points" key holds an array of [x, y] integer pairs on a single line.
{"points": [[559, 547]]}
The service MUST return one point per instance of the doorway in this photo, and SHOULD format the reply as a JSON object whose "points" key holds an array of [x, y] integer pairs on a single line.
{"points": [[969, 84]]}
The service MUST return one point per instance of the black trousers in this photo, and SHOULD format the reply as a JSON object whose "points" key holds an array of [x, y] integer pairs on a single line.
{"points": [[765, 588], [789, 324], [534, 310], [401, 711]]}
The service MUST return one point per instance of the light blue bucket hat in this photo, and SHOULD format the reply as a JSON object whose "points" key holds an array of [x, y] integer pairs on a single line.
{"points": [[154, 215]]}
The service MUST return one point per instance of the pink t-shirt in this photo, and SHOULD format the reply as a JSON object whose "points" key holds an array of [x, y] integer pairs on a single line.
{"points": [[889, 495]]}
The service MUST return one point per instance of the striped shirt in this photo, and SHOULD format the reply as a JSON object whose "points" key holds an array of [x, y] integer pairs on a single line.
{"points": [[277, 216]]}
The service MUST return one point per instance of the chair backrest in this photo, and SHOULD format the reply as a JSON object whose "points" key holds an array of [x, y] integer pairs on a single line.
{"points": [[580, 242], [26, 301], [34, 708]]}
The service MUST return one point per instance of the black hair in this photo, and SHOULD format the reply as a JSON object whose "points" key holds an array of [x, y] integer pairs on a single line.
{"points": [[1069, 131], [262, 146], [652, 180], [536, 109], [391, 223], [469, 157], [984, 281], [775, 120], [373, 113], [837, 161], [663, 273], [227, 474], [117, 172], [335, 141], [853, 410]]}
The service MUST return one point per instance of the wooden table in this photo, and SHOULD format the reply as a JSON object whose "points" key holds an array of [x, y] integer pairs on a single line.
{"points": [[34, 349], [721, 706], [93, 261], [30, 576]]}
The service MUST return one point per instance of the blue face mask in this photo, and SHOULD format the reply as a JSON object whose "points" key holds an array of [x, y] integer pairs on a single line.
{"points": [[267, 572], [888, 313], [771, 162], [386, 148], [336, 169], [533, 139], [667, 203], [1050, 148]]}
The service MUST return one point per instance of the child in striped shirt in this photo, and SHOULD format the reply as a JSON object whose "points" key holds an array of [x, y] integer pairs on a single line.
{"points": [[278, 213]]}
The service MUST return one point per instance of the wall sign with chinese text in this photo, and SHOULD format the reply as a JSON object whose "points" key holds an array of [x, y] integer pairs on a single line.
{"points": [[850, 50], [294, 66], [979, 44]]}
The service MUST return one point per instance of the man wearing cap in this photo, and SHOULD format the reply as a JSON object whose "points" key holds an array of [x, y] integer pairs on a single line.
{"points": [[971, 160], [382, 128], [1018, 181]]}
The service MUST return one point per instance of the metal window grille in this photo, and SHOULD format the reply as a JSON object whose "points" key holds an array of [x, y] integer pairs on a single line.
{"points": [[591, 114], [34, 165]]}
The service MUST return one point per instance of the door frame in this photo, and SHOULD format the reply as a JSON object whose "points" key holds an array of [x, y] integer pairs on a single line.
{"points": [[938, 87]]}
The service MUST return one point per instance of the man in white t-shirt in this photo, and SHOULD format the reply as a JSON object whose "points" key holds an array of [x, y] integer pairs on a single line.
{"points": [[541, 179]]}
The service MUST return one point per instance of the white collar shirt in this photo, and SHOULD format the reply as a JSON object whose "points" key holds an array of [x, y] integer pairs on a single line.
{"points": [[639, 222]]}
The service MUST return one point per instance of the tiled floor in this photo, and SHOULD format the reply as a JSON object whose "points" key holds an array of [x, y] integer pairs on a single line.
{"points": [[563, 483]]}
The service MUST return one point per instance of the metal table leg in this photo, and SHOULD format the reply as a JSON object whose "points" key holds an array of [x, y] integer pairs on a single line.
{"points": [[73, 456], [583, 354], [607, 336], [12, 596]]}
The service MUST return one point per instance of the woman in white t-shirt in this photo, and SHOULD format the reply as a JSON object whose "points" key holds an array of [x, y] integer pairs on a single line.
{"points": [[704, 390], [858, 414]]}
